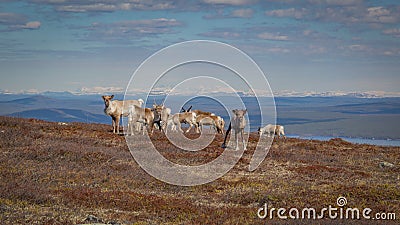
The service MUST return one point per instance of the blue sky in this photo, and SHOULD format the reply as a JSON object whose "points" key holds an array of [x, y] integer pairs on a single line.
{"points": [[312, 45]]}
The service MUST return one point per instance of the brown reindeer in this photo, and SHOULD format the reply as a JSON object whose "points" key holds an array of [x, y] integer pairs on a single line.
{"points": [[197, 111]]}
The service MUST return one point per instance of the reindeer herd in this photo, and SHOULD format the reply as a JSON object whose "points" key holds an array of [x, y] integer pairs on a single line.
{"points": [[141, 118]]}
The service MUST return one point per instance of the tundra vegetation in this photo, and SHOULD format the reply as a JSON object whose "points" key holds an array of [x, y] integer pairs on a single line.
{"points": [[68, 174]]}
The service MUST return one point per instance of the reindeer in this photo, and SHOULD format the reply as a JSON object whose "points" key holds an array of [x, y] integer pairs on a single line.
{"points": [[218, 123], [198, 112], [117, 108], [214, 121], [140, 115], [161, 114], [178, 118], [269, 129], [238, 123]]}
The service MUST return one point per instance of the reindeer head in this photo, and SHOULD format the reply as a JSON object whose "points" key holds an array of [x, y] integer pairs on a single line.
{"points": [[239, 113], [157, 109], [107, 99]]}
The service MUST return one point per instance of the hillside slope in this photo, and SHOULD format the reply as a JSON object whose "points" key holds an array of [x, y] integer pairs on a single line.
{"points": [[63, 115], [71, 174]]}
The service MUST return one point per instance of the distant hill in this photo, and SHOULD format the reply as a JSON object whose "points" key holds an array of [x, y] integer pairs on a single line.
{"points": [[15, 104], [37, 99], [63, 115]]}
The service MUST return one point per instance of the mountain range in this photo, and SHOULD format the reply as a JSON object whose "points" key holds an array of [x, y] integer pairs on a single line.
{"points": [[347, 116], [284, 93]]}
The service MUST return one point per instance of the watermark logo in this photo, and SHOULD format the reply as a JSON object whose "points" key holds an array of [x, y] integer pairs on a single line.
{"points": [[201, 69], [341, 201], [330, 212]]}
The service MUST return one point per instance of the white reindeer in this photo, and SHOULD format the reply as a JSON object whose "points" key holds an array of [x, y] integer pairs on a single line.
{"points": [[117, 108], [178, 118], [140, 115], [270, 129], [238, 123]]}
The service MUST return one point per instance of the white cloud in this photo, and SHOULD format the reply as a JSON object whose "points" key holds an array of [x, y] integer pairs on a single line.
{"points": [[274, 37], [315, 49], [381, 15], [244, 13], [395, 32], [86, 8], [278, 50], [358, 47], [377, 11], [16, 21], [291, 12], [100, 90], [349, 12], [29, 25], [230, 2], [128, 30], [222, 34], [238, 13], [11, 18], [110, 6], [337, 2]]}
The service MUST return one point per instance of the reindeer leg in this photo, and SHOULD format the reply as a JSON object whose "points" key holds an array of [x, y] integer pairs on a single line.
{"points": [[113, 124], [131, 128], [117, 123], [151, 128], [237, 140], [165, 126], [244, 144], [189, 127], [226, 135], [173, 127]]}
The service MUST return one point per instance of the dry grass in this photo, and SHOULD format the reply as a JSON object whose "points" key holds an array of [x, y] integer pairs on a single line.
{"points": [[54, 174]]}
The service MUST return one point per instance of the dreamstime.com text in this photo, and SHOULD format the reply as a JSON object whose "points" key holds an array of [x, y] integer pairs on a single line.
{"points": [[330, 212]]}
